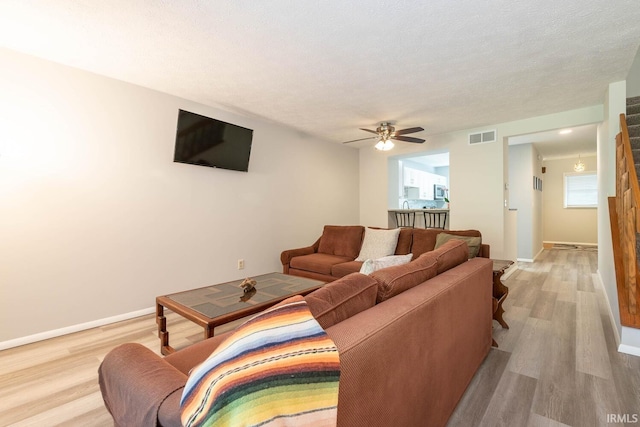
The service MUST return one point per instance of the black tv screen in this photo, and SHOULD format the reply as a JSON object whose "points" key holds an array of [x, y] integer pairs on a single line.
{"points": [[205, 141]]}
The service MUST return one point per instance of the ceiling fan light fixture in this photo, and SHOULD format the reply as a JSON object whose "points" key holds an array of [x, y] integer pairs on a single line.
{"points": [[385, 133], [384, 145]]}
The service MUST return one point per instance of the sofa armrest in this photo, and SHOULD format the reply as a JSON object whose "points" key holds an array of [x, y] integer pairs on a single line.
{"points": [[287, 255], [135, 382], [485, 251], [187, 358]]}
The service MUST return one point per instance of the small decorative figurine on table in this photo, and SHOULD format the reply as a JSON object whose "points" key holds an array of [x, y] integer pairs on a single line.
{"points": [[248, 288], [248, 285]]}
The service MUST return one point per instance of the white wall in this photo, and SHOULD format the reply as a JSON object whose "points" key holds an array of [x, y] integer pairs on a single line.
{"points": [[524, 164], [537, 226], [562, 225], [476, 174], [467, 195], [615, 104], [96, 220], [520, 183], [633, 80]]}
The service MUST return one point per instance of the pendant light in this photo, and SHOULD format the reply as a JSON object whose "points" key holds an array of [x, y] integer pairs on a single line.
{"points": [[579, 167]]}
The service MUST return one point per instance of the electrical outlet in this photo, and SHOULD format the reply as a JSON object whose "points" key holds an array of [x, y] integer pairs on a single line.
{"points": [[240, 264]]}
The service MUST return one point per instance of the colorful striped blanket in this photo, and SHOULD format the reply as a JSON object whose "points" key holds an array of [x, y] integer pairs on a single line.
{"points": [[278, 369]]}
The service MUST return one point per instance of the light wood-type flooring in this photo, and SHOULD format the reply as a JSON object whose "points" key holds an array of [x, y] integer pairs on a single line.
{"points": [[557, 364]]}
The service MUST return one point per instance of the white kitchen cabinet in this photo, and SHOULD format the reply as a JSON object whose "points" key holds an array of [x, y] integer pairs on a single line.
{"points": [[428, 186], [424, 181], [410, 177]]}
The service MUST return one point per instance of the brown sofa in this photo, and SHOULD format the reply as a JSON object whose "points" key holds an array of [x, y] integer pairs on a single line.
{"points": [[410, 339], [333, 255]]}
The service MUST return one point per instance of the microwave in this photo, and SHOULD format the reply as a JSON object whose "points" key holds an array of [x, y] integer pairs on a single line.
{"points": [[439, 192]]}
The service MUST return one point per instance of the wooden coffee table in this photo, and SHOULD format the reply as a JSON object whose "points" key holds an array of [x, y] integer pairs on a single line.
{"points": [[216, 305]]}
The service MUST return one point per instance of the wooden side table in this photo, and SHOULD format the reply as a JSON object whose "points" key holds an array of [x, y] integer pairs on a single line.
{"points": [[500, 291]]}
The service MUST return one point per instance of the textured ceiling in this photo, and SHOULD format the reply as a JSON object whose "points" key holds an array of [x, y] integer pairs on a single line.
{"points": [[327, 68]]}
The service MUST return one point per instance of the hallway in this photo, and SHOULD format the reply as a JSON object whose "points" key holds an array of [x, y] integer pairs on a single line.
{"points": [[557, 364]]}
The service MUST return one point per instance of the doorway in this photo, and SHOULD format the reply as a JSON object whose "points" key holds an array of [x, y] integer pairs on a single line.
{"points": [[539, 164]]}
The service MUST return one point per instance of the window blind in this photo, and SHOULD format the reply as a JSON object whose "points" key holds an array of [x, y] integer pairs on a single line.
{"points": [[581, 190]]}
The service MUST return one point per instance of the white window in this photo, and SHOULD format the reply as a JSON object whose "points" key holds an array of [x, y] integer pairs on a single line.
{"points": [[580, 190]]}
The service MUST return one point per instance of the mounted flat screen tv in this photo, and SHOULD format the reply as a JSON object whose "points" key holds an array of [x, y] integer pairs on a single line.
{"points": [[209, 142]]}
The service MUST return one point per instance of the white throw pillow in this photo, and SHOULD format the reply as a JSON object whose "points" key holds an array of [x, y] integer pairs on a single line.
{"points": [[371, 265], [378, 243]]}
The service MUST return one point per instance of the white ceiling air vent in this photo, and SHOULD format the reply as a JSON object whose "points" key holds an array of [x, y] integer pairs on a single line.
{"points": [[482, 137]]}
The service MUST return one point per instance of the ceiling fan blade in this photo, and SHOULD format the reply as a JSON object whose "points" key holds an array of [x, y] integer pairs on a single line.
{"points": [[361, 139], [369, 130], [409, 130], [408, 139]]}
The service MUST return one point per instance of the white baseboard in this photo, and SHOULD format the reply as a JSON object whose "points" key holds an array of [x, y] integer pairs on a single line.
{"points": [[626, 348], [531, 259], [571, 243], [633, 348], [538, 254], [74, 328], [600, 284], [622, 348], [509, 271], [629, 349]]}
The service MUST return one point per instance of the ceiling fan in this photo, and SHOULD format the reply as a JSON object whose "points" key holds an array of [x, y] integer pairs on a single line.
{"points": [[385, 133]]}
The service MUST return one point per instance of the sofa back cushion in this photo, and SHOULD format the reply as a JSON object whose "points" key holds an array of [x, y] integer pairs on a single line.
{"points": [[397, 279], [450, 254], [341, 240], [424, 240], [343, 298], [404, 241], [474, 242]]}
